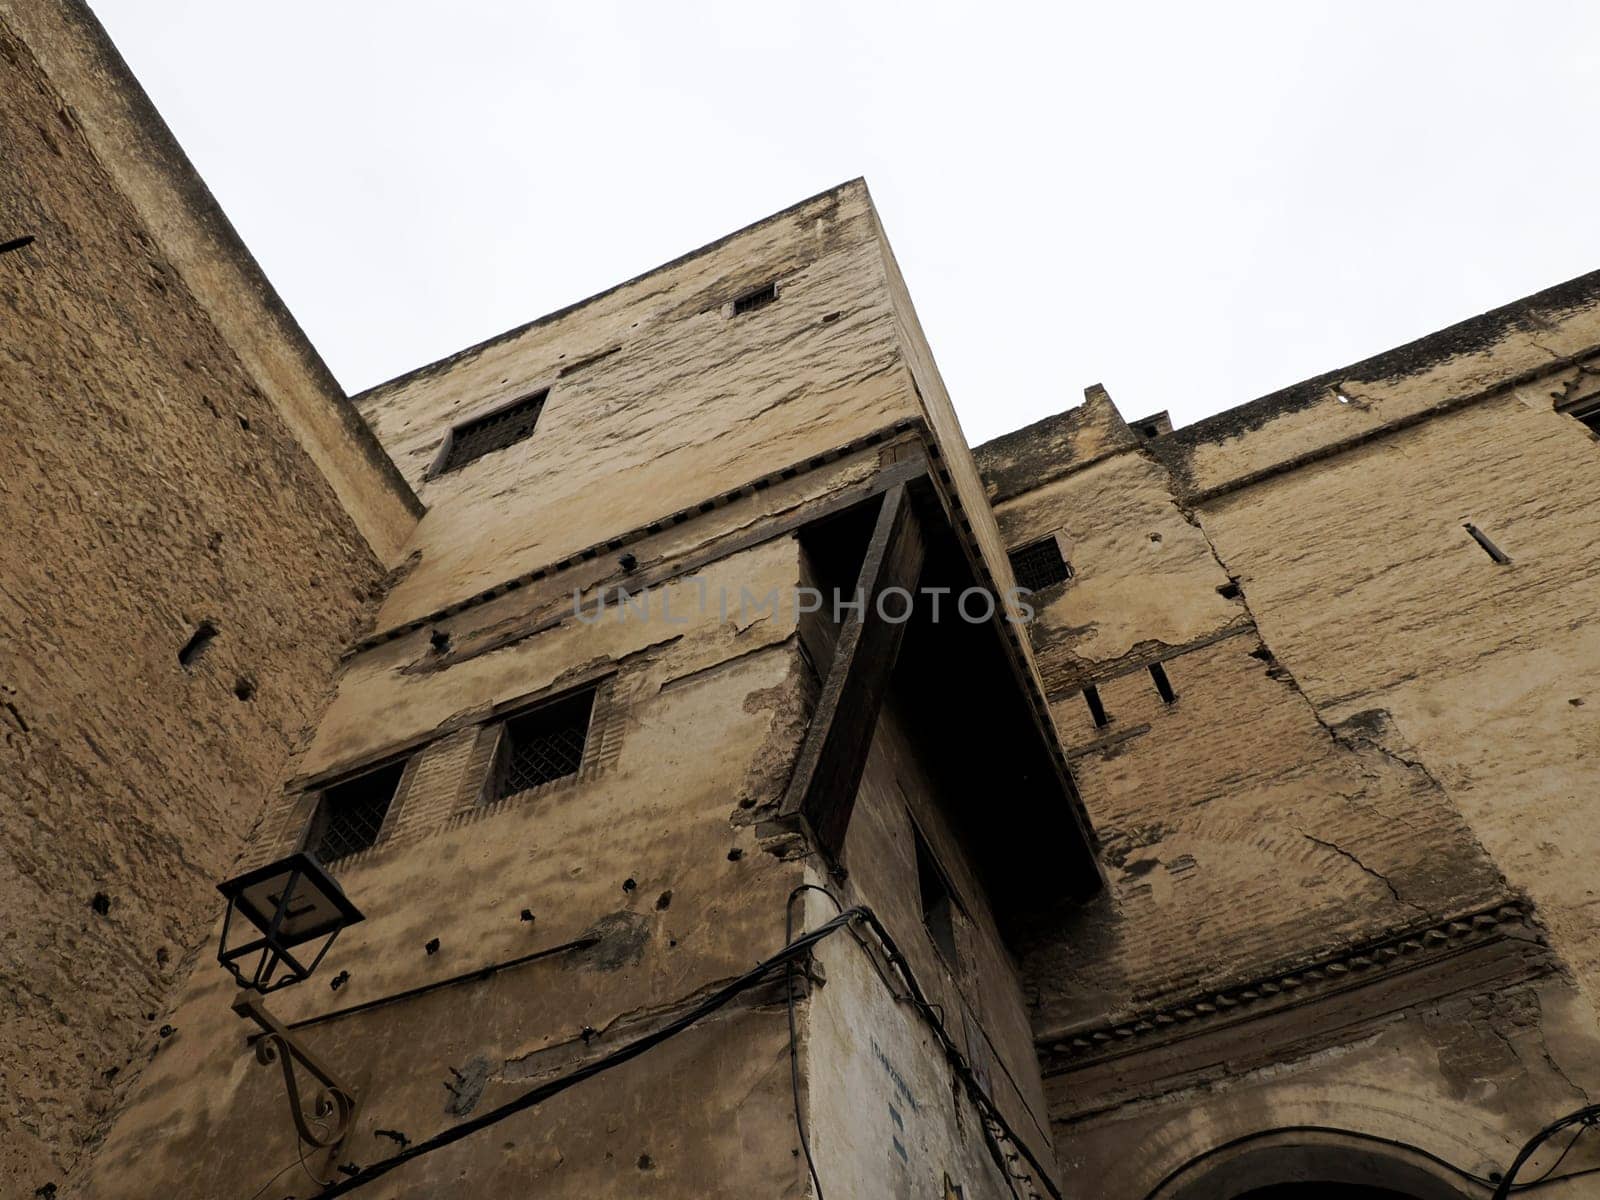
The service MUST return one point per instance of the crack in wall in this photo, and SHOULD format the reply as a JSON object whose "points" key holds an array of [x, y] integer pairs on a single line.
{"points": [[1378, 875]]}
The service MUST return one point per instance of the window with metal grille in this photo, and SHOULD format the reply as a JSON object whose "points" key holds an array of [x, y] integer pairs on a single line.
{"points": [[350, 814], [494, 431], [752, 300], [1039, 565], [542, 745]]}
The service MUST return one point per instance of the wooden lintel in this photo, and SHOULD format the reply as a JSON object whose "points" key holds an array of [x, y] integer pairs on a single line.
{"points": [[834, 756]]}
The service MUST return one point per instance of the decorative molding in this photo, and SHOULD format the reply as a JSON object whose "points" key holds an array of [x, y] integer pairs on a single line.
{"points": [[1069, 1048]]}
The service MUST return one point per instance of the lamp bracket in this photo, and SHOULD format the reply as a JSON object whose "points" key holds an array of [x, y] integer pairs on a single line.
{"points": [[335, 1104]]}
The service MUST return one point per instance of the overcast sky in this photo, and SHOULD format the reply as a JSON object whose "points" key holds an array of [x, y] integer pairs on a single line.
{"points": [[1192, 203]]}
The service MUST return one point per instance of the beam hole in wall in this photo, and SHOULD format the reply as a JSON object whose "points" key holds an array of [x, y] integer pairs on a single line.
{"points": [[350, 813], [199, 642], [756, 298], [1097, 710], [1158, 673], [1230, 590], [1489, 548]]}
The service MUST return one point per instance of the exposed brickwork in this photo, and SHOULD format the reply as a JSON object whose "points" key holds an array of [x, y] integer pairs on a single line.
{"points": [[148, 487]]}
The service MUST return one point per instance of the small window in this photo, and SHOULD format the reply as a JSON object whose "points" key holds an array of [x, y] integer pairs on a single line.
{"points": [[1039, 565], [542, 745], [758, 298], [1587, 413], [938, 904], [350, 814], [495, 431]]}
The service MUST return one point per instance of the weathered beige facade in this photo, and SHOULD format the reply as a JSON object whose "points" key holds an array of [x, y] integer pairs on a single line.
{"points": [[603, 658]]}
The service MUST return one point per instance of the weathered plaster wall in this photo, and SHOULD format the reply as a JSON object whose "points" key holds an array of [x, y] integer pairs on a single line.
{"points": [[1368, 587], [652, 847], [888, 1115], [1308, 923], [1460, 1076], [1240, 830], [693, 401], [149, 485]]}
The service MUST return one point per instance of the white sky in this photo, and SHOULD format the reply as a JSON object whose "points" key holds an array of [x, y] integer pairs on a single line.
{"points": [[1193, 203]]}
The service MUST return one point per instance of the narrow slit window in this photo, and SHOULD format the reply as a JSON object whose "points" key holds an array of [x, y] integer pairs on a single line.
{"points": [[542, 745], [1489, 548], [1039, 565], [1097, 710], [493, 431], [756, 298], [938, 902], [1158, 674], [351, 813]]}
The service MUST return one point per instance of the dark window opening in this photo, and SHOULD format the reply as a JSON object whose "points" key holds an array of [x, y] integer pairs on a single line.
{"points": [[1097, 710], [495, 431], [199, 640], [350, 814], [1152, 426], [1039, 565], [938, 904], [1489, 548], [1163, 684], [758, 298], [1587, 414], [542, 745]]}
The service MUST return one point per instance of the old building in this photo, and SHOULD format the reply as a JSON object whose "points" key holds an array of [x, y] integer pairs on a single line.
{"points": [[1208, 808]]}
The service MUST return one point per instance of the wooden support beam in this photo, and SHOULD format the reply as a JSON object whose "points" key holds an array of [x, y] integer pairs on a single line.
{"points": [[822, 791]]}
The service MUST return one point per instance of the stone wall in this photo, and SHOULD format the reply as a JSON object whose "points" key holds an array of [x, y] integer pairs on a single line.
{"points": [[154, 498], [1323, 848]]}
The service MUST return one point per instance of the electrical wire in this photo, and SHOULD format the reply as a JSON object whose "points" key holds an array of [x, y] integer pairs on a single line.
{"points": [[255, 1195], [1393, 1143], [792, 951], [632, 1050], [794, 1039], [1584, 1118]]}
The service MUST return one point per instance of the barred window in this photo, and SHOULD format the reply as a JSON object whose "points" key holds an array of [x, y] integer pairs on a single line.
{"points": [[759, 297], [542, 745], [1039, 565], [350, 813], [493, 431]]}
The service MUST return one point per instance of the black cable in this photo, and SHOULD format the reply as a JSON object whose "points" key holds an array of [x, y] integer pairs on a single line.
{"points": [[1550, 1170], [617, 1057], [958, 1062], [1584, 1117], [1392, 1143], [794, 1051]]}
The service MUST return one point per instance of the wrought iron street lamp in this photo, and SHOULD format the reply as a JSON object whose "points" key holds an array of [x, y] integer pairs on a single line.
{"points": [[278, 916]]}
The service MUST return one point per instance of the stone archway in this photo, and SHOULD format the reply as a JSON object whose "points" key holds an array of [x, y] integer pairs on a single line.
{"points": [[1317, 1165]]}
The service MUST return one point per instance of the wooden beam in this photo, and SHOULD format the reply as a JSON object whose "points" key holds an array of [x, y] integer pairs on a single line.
{"points": [[822, 791]]}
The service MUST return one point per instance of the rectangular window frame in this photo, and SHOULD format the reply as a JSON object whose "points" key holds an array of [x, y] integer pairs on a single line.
{"points": [[444, 463], [500, 764], [315, 829], [1024, 570]]}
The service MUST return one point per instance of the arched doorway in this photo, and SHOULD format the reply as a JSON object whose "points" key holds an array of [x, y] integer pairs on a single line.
{"points": [[1323, 1191], [1316, 1164]]}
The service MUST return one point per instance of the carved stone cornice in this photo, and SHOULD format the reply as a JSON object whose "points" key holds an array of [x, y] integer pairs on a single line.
{"points": [[1359, 965]]}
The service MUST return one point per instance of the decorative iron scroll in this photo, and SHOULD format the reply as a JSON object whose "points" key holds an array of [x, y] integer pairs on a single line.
{"points": [[333, 1105]]}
